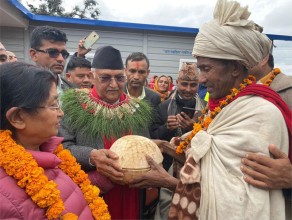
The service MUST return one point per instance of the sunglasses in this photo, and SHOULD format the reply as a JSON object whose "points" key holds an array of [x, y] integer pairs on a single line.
{"points": [[108, 78], [54, 53], [3, 58]]}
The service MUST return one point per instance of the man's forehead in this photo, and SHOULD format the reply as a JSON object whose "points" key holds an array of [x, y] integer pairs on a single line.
{"points": [[137, 63], [187, 80], [52, 43], [206, 61], [81, 69], [108, 71]]}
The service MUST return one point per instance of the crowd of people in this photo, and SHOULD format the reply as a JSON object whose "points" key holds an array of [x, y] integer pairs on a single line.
{"points": [[58, 125]]}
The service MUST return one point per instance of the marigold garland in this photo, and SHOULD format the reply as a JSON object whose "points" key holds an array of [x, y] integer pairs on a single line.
{"points": [[21, 165], [272, 74], [207, 117], [205, 120]]}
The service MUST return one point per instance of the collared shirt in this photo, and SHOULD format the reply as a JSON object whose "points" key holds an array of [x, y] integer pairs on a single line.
{"points": [[59, 86], [142, 96]]}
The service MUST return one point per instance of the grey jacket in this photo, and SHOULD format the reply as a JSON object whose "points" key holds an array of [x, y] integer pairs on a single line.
{"points": [[282, 84], [152, 97], [154, 101]]}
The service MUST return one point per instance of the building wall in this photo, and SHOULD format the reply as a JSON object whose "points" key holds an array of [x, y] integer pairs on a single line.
{"points": [[163, 50], [15, 40]]}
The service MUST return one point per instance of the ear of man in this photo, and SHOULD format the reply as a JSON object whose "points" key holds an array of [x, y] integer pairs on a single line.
{"points": [[237, 68], [32, 53], [68, 75]]}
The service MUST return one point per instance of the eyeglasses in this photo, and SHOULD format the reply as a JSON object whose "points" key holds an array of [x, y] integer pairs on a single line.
{"points": [[108, 79], [54, 53], [3, 58], [56, 106]]}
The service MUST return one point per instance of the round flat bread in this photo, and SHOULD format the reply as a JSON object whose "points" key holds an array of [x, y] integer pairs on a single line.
{"points": [[132, 149]]}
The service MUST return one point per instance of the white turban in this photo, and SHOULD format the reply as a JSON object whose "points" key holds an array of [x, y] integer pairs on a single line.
{"points": [[231, 36]]}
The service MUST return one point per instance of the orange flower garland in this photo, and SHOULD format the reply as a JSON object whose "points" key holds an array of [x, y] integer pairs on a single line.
{"points": [[91, 193], [21, 165], [272, 75], [205, 120]]}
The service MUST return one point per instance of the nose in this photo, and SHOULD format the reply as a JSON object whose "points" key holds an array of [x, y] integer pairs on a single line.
{"points": [[60, 113], [113, 82], [136, 75], [60, 58], [202, 78], [188, 88], [86, 79]]}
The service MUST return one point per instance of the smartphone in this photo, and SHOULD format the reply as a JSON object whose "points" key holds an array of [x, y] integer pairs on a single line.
{"points": [[90, 40], [189, 111]]}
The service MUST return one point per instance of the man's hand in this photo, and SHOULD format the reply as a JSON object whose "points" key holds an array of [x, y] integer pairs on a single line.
{"points": [[172, 122], [82, 51], [156, 177], [185, 121], [268, 173], [106, 163]]}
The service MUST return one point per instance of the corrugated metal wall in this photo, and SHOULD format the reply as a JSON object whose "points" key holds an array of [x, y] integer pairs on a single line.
{"points": [[164, 51], [13, 40]]}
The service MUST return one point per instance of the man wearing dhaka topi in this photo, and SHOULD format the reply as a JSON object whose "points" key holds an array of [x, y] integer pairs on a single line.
{"points": [[94, 119]]}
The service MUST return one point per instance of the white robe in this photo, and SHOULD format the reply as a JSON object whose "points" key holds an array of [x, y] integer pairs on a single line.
{"points": [[248, 124]]}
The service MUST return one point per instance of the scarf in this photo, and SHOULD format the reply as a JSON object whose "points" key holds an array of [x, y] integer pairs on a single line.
{"points": [[192, 191], [163, 95], [176, 103], [273, 97], [176, 100]]}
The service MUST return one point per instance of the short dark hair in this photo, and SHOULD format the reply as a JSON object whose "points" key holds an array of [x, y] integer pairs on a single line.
{"points": [[25, 86], [271, 61], [46, 33], [77, 62], [137, 56]]}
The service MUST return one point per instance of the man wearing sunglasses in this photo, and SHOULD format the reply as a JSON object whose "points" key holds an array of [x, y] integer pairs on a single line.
{"points": [[94, 119], [48, 49]]}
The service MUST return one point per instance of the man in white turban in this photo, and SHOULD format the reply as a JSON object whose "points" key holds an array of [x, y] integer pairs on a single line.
{"points": [[242, 117]]}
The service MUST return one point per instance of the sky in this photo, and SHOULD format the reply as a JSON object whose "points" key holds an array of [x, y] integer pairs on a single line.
{"points": [[275, 16]]}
